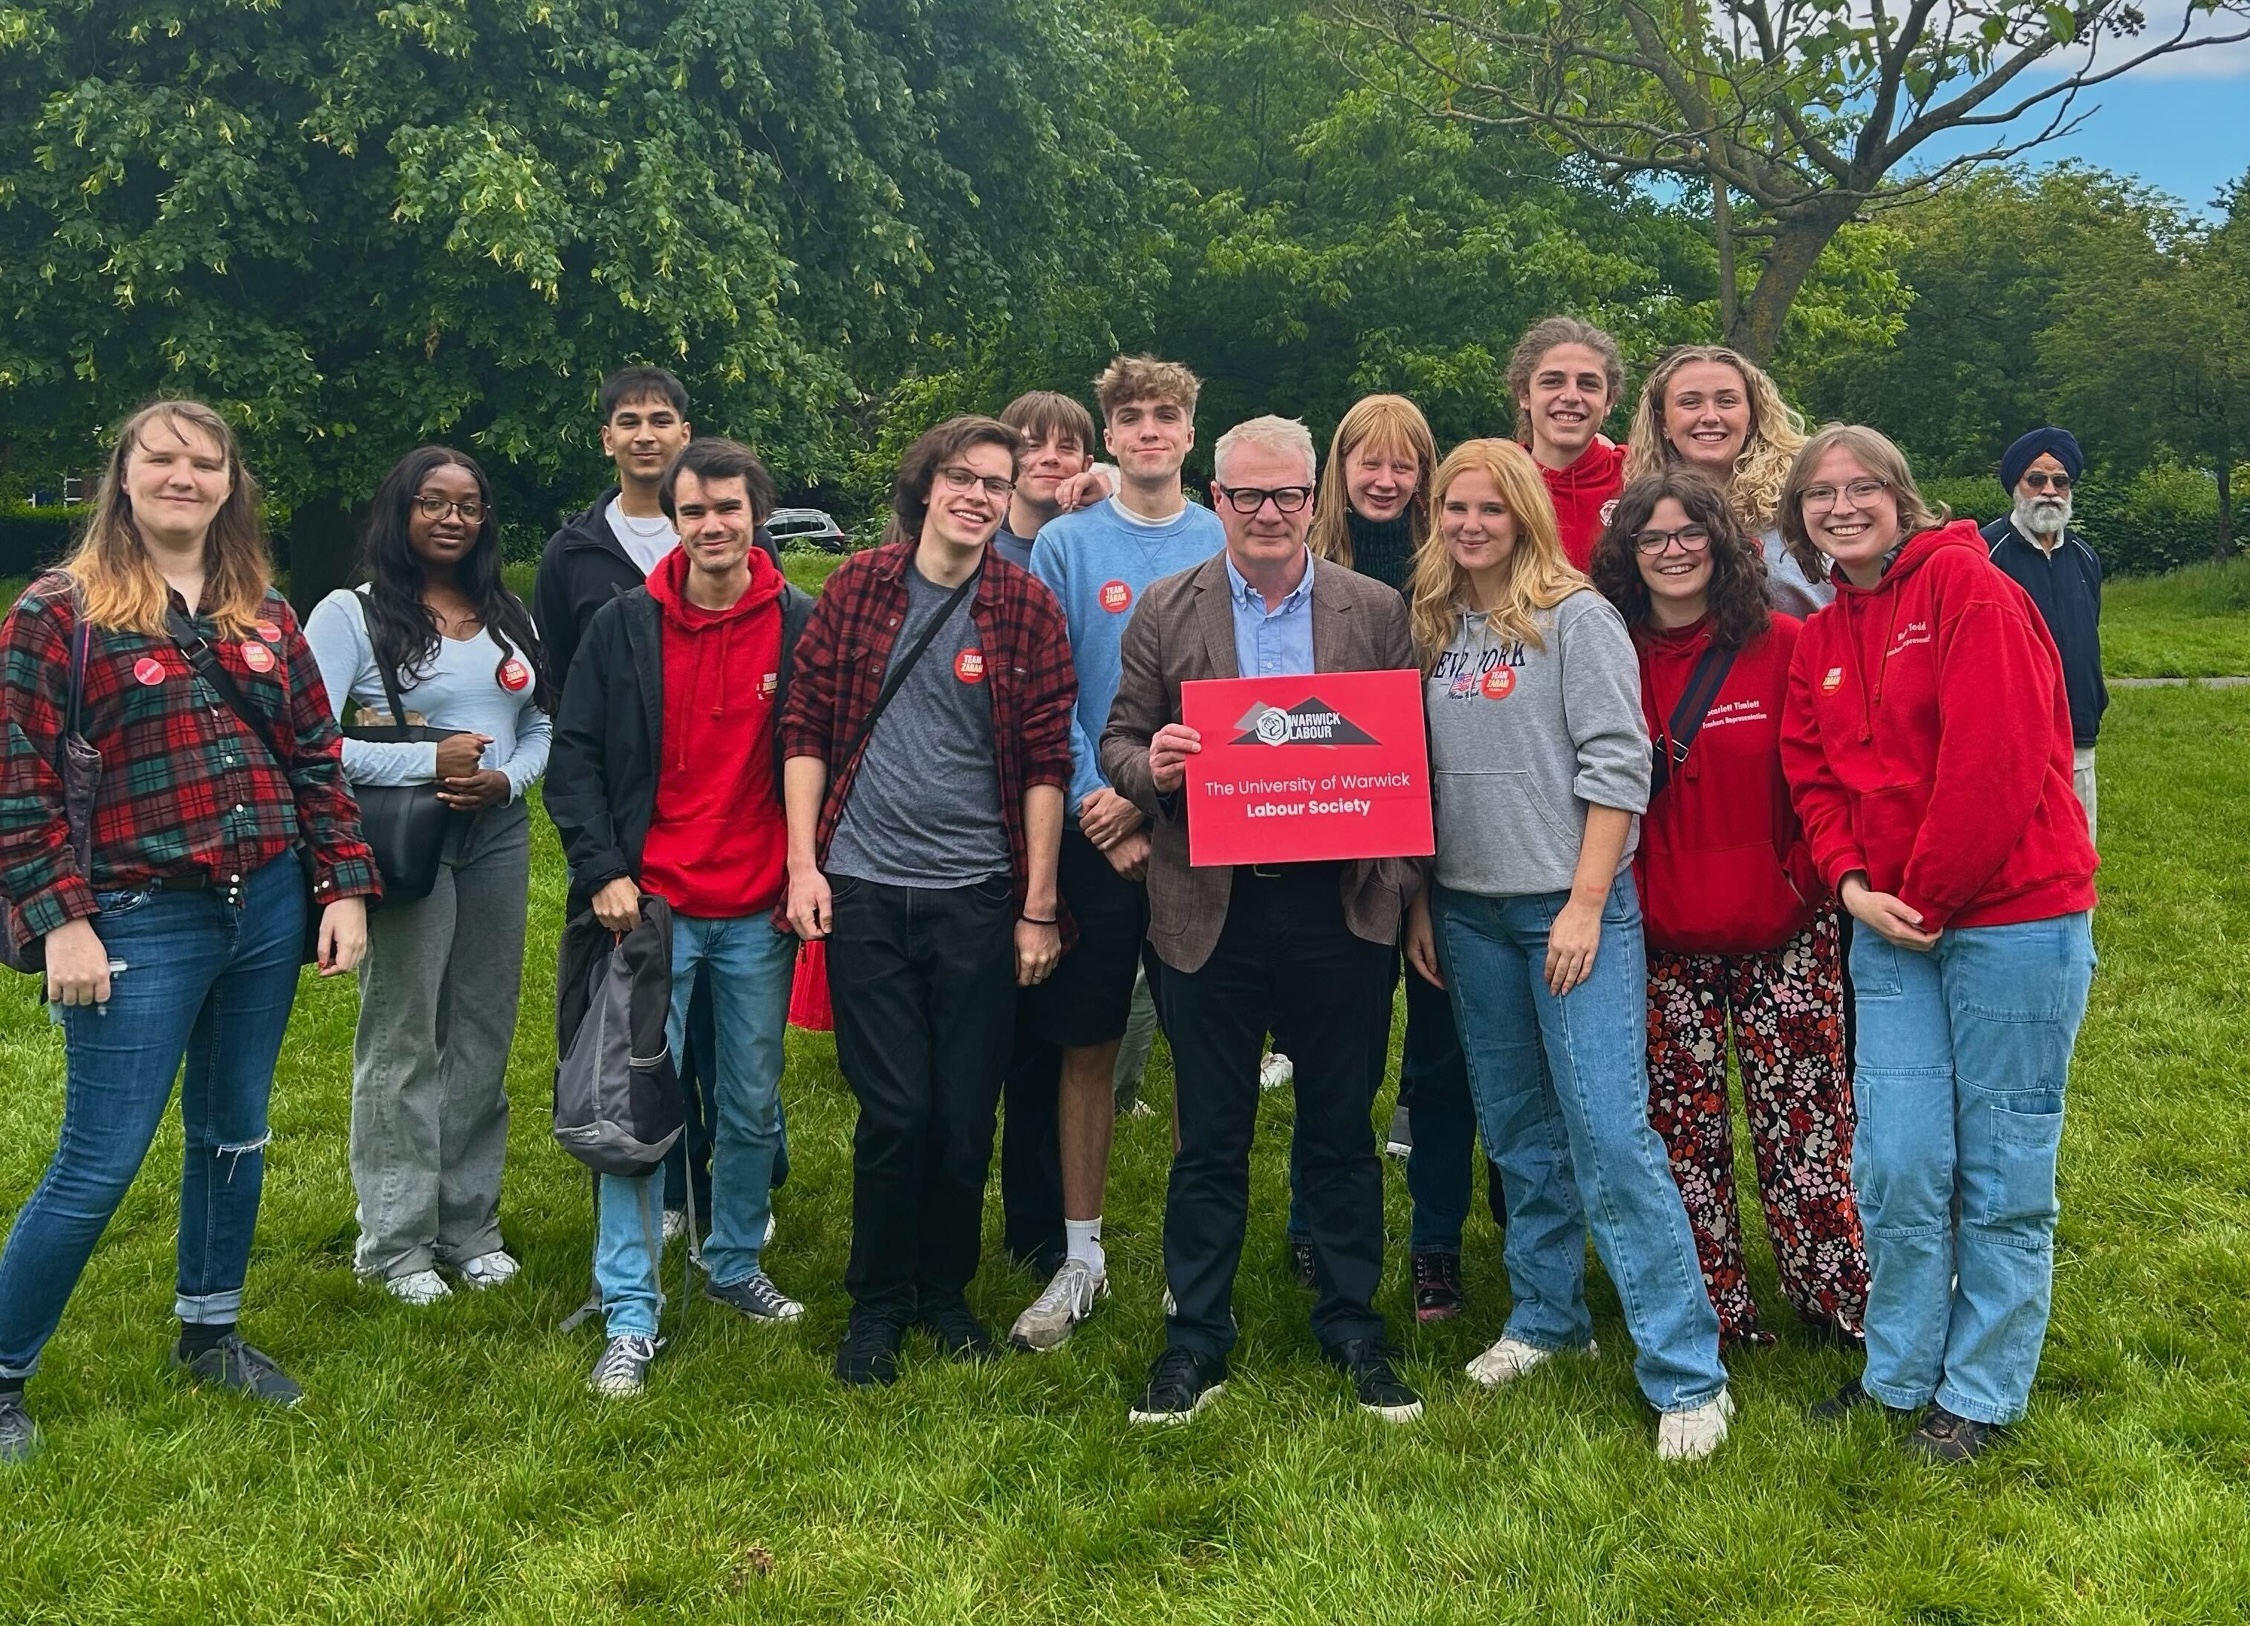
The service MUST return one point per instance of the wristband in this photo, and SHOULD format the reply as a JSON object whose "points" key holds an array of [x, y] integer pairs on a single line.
{"points": [[1029, 921]]}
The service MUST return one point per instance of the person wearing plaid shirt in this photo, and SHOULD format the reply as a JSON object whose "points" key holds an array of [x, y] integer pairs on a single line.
{"points": [[923, 849], [180, 933]]}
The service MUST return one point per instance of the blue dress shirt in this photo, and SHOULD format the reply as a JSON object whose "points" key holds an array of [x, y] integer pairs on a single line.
{"points": [[1271, 642]]}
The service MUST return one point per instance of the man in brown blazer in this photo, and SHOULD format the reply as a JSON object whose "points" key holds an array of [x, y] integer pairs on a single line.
{"points": [[1301, 951]]}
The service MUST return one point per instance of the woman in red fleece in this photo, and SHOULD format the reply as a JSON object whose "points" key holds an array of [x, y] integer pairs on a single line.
{"points": [[1566, 375], [1740, 931], [1926, 737]]}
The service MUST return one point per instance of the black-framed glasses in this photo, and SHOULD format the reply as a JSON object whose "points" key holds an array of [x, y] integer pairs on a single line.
{"points": [[957, 478], [2041, 480], [431, 507], [1249, 499], [1819, 499], [1691, 538]]}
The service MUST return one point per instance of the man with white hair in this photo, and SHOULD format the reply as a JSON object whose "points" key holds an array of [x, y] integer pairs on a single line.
{"points": [[1300, 950], [2038, 550]]}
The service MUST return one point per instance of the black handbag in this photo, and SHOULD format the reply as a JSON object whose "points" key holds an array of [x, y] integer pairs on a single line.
{"points": [[79, 766], [406, 825]]}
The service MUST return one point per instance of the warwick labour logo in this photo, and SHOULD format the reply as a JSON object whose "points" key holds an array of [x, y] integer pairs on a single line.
{"points": [[1311, 721]]}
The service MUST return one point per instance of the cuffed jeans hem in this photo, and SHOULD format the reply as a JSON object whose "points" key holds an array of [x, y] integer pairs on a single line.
{"points": [[733, 1281], [458, 1254], [19, 1374], [204, 1309], [629, 1324], [1679, 1406], [1900, 1398], [1953, 1402]]}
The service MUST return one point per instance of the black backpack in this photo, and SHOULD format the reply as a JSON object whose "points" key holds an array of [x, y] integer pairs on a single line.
{"points": [[617, 1094]]}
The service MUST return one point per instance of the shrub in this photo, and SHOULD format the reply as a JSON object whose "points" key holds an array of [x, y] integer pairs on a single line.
{"points": [[2161, 519], [33, 538]]}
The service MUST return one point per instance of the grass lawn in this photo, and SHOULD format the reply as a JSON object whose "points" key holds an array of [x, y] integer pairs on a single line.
{"points": [[450, 1464], [2194, 622]]}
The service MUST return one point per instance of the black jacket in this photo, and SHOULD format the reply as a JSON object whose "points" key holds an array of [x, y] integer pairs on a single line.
{"points": [[2067, 587], [609, 738], [581, 569]]}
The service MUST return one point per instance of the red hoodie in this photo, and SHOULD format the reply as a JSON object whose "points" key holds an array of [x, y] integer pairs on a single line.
{"points": [[717, 847], [1927, 741], [1584, 494], [1722, 865]]}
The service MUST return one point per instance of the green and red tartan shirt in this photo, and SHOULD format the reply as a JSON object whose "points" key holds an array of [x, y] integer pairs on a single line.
{"points": [[187, 790]]}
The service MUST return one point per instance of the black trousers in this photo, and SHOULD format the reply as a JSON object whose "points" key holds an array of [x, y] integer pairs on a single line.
{"points": [[1031, 1187], [924, 986], [1286, 964]]}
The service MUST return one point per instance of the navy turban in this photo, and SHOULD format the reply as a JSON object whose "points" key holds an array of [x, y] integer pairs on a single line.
{"points": [[2026, 451]]}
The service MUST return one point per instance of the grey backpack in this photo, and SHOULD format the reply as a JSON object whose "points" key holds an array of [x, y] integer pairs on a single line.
{"points": [[617, 1097]]}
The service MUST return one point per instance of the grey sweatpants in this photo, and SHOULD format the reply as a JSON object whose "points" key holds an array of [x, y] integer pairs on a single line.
{"points": [[437, 1010]]}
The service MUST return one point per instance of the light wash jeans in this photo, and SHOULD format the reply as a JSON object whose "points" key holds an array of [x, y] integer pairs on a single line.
{"points": [[1963, 1054], [1561, 1091], [750, 969]]}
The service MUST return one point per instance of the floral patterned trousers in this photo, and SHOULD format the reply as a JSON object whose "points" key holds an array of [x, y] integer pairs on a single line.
{"points": [[1786, 1006]]}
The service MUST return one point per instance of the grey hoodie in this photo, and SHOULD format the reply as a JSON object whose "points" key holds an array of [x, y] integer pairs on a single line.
{"points": [[1522, 739]]}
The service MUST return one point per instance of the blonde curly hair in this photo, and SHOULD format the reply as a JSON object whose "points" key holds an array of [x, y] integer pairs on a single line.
{"points": [[1776, 432]]}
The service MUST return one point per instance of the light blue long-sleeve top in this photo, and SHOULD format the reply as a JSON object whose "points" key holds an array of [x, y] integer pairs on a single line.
{"points": [[461, 693], [1268, 643], [1098, 562]]}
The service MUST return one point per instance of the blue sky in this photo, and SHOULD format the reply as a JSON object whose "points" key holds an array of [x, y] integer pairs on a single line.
{"points": [[2185, 133]]}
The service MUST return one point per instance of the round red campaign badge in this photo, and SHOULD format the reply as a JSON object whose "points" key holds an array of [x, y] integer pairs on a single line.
{"points": [[1832, 681], [1499, 683], [968, 666], [257, 657], [269, 631], [149, 671], [515, 677], [1116, 597]]}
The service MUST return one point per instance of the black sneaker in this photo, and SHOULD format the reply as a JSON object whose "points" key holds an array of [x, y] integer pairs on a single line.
{"points": [[19, 1436], [1850, 1398], [1301, 1268], [1437, 1285], [869, 1353], [1367, 1362], [1180, 1384], [960, 1335], [233, 1364], [1945, 1437], [1400, 1141], [756, 1297]]}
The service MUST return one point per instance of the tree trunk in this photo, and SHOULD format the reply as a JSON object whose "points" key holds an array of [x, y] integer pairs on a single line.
{"points": [[1730, 291], [323, 552], [1798, 239]]}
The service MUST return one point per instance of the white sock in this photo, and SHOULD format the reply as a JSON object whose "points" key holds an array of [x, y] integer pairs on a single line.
{"points": [[1082, 1240]]}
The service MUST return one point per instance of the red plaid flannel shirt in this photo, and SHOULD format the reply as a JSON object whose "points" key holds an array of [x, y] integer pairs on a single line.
{"points": [[186, 788], [846, 648]]}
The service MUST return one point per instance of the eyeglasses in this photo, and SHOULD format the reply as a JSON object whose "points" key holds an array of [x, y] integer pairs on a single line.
{"points": [[470, 510], [2040, 480], [1819, 499], [1249, 499], [957, 478], [1691, 538]]}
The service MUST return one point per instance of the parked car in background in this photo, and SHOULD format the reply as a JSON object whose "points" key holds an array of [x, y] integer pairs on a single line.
{"points": [[807, 528]]}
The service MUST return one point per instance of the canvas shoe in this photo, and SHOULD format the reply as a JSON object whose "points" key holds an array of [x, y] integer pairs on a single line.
{"points": [[1067, 1300], [417, 1287], [622, 1369], [1180, 1384], [233, 1364], [960, 1335], [756, 1297], [19, 1436], [1692, 1435], [869, 1353], [1512, 1358], [1367, 1362], [490, 1269]]}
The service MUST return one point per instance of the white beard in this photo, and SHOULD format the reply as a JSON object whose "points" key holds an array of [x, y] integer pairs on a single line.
{"points": [[2042, 517]]}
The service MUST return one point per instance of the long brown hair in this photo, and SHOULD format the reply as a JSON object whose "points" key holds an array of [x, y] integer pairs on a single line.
{"points": [[1539, 572], [1880, 456], [1776, 431], [1543, 336], [1735, 600], [1390, 423], [118, 585]]}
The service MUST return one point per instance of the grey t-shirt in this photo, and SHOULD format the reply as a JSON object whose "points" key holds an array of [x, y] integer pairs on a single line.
{"points": [[924, 809]]}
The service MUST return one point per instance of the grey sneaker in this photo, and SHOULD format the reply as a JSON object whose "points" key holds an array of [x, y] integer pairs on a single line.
{"points": [[756, 1297], [233, 1364], [490, 1269], [623, 1367], [19, 1436], [1069, 1299]]}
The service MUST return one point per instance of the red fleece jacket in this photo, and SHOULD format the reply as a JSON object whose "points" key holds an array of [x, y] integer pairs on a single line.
{"points": [[1722, 865], [718, 846], [1584, 494], [1926, 737]]}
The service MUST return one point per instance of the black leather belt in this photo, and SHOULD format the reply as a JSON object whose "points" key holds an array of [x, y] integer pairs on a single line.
{"points": [[183, 883], [1327, 869]]}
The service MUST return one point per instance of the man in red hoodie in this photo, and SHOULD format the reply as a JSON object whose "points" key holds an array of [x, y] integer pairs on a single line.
{"points": [[1566, 375], [665, 779]]}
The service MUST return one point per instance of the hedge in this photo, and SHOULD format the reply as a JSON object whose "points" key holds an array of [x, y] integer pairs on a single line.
{"points": [[33, 538], [2162, 519]]}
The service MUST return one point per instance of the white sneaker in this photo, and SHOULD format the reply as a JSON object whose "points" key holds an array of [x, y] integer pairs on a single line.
{"points": [[417, 1287], [1511, 1358], [1069, 1298], [1690, 1436], [1275, 1071], [623, 1367], [675, 1225], [490, 1269], [768, 1242]]}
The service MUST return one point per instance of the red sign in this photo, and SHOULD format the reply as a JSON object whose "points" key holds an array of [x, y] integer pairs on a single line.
{"points": [[1294, 769]]}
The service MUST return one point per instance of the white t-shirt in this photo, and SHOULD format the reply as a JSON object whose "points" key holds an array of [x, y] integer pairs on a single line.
{"points": [[645, 541]]}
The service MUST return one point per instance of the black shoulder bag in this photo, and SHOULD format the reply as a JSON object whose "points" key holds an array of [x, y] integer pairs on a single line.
{"points": [[1703, 685], [205, 660], [406, 825], [79, 766]]}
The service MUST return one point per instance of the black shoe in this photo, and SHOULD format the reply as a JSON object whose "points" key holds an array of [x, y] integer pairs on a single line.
{"points": [[1301, 1267], [233, 1364], [960, 1335], [869, 1353], [1400, 1141], [1437, 1285], [19, 1436], [1850, 1398], [1180, 1384], [1946, 1437], [1367, 1362]]}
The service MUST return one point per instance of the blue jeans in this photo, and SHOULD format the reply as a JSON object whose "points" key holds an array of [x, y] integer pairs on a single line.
{"points": [[1963, 1055], [750, 967], [210, 981], [1561, 1089]]}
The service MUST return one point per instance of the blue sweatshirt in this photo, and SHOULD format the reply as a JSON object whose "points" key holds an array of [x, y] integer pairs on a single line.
{"points": [[1098, 562]]}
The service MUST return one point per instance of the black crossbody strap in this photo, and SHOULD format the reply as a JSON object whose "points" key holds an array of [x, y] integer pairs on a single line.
{"points": [[205, 660], [904, 664], [389, 677], [1703, 685]]}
